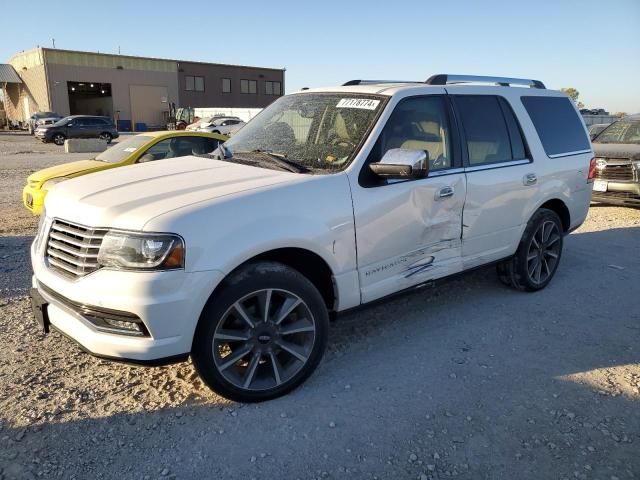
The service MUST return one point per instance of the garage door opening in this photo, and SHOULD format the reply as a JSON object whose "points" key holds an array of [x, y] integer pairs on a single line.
{"points": [[86, 98]]}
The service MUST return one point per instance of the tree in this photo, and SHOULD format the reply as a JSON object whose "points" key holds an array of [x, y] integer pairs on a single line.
{"points": [[620, 114], [572, 92]]}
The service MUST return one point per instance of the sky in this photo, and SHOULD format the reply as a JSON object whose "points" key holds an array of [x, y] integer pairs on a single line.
{"points": [[593, 46]]}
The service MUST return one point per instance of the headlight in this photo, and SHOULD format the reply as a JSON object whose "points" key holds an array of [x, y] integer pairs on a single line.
{"points": [[41, 227], [130, 250], [50, 183]]}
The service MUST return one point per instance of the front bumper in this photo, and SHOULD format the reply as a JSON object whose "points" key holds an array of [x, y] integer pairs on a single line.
{"points": [[33, 199], [619, 193], [167, 303]]}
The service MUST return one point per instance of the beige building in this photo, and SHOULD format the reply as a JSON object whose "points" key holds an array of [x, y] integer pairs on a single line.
{"points": [[130, 89]]}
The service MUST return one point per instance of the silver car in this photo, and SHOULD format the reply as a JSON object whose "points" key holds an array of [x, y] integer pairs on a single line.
{"points": [[223, 125]]}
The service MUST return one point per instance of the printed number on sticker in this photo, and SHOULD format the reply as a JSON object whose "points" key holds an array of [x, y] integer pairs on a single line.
{"points": [[363, 103]]}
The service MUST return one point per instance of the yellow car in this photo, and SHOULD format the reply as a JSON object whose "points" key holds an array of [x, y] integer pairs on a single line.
{"points": [[136, 149]]}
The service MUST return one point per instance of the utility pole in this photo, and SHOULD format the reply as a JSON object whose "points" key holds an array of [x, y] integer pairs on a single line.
{"points": [[53, 40]]}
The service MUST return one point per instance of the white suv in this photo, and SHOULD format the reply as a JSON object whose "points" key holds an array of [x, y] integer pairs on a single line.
{"points": [[327, 200]]}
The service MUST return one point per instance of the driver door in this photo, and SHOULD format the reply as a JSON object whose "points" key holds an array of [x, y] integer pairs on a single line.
{"points": [[409, 231]]}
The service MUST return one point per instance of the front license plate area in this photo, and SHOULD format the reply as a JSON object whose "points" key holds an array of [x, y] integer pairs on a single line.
{"points": [[39, 307], [600, 186]]}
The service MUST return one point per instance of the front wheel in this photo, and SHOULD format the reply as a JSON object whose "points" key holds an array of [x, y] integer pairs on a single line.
{"points": [[538, 256], [58, 139], [262, 334]]}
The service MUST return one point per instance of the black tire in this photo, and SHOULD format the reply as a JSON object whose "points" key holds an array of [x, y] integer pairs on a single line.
{"points": [[106, 136], [58, 138], [532, 268], [278, 369]]}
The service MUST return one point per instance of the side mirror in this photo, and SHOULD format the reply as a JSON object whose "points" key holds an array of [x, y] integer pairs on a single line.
{"points": [[402, 163], [147, 157], [69, 125]]}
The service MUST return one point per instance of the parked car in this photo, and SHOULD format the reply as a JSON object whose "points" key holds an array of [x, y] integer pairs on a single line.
{"points": [[78, 126], [329, 199], [617, 150], [141, 148], [33, 120], [192, 127], [596, 128], [224, 125]]}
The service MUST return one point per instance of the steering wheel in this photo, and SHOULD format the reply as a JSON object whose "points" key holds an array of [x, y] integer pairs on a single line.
{"points": [[341, 142], [440, 162]]}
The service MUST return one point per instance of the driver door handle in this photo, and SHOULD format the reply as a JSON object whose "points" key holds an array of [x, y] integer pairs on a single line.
{"points": [[446, 192]]}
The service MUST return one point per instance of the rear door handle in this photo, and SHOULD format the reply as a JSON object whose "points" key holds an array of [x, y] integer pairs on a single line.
{"points": [[529, 179], [446, 192]]}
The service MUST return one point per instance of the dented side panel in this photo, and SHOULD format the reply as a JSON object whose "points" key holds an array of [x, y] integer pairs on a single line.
{"points": [[407, 234]]}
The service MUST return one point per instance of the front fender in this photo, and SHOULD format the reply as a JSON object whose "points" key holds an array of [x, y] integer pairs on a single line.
{"points": [[315, 214]]}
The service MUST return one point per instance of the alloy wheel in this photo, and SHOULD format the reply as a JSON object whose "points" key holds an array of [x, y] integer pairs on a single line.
{"points": [[544, 252], [264, 339], [58, 139]]}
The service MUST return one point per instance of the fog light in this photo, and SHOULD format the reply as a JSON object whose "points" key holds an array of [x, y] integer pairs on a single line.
{"points": [[131, 326]]}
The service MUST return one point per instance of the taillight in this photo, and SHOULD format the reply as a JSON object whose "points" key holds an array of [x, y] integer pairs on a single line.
{"points": [[592, 170]]}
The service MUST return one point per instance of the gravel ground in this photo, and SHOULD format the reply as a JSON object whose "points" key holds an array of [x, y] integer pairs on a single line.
{"points": [[469, 380]]}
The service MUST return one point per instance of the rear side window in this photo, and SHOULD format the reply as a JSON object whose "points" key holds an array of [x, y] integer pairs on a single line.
{"points": [[491, 132], [558, 125]]}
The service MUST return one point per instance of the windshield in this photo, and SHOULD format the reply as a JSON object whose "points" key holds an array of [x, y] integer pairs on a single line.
{"points": [[622, 131], [318, 131], [122, 150], [62, 122]]}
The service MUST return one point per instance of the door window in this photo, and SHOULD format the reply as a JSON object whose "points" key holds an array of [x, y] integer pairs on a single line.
{"points": [[180, 147], [418, 123]]}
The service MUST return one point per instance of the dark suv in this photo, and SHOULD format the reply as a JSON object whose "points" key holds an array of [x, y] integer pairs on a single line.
{"points": [[617, 151], [78, 126]]}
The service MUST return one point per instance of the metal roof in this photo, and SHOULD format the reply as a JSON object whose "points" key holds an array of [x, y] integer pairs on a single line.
{"points": [[8, 74]]}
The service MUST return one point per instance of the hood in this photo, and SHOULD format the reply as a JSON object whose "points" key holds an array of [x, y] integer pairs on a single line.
{"points": [[617, 150], [65, 170], [129, 197]]}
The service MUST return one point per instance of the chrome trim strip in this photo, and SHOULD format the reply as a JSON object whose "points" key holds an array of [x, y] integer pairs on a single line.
{"points": [[491, 166], [568, 154], [440, 173]]}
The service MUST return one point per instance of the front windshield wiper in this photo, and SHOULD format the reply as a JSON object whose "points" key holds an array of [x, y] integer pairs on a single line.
{"points": [[281, 160]]}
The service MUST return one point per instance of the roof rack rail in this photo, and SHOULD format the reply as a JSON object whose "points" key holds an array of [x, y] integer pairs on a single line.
{"points": [[445, 79], [376, 82]]}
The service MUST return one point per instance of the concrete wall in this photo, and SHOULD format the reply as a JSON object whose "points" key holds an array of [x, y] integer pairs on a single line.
{"points": [[31, 69], [120, 80], [213, 75]]}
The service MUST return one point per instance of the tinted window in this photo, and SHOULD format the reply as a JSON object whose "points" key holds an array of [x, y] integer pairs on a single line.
{"points": [[485, 129], [180, 147], [518, 148], [418, 123], [558, 125]]}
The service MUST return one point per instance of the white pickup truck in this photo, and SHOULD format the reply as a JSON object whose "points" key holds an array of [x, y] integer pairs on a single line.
{"points": [[329, 199]]}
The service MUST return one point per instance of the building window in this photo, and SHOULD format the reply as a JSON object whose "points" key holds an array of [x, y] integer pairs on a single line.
{"points": [[194, 83], [249, 86], [272, 88], [226, 85]]}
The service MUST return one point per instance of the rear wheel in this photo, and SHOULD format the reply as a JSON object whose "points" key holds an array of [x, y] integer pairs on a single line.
{"points": [[106, 136], [262, 334], [58, 139], [538, 255]]}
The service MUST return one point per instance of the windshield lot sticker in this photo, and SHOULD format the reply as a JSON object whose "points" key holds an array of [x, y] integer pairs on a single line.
{"points": [[362, 103], [130, 149]]}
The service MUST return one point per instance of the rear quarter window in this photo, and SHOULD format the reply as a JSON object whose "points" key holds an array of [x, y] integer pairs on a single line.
{"points": [[558, 125]]}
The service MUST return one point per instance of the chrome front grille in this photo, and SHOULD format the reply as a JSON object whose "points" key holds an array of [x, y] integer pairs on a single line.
{"points": [[615, 171], [72, 249]]}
